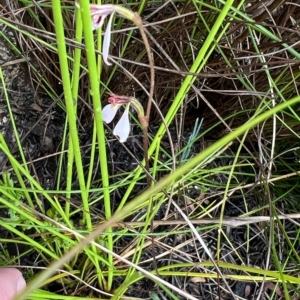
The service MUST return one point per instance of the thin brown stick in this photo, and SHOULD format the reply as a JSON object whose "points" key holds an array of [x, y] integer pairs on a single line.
{"points": [[151, 65], [139, 23], [233, 222]]}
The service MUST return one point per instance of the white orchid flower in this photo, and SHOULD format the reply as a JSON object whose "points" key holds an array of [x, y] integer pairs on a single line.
{"points": [[109, 111], [99, 13], [122, 128]]}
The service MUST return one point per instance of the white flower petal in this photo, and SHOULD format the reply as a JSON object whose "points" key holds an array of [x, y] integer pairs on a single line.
{"points": [[97, 21], [102, 9], [106, 42], [109, 111], [122, 129], [99, 13]]}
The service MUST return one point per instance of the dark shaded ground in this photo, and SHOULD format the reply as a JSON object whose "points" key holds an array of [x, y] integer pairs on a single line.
{"points": [[39, 121]]}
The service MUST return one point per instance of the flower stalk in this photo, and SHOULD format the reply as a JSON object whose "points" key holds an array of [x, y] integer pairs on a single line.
{"points": [[99, 13]]}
